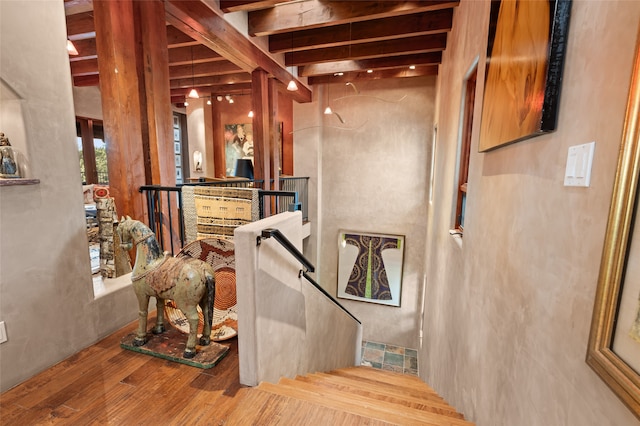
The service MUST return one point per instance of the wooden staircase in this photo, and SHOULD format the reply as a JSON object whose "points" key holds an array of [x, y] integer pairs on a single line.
{"points": [[349, 396]]}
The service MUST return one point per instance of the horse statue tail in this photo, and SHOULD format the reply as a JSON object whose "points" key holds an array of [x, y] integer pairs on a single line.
{"points": [[211, 296]]}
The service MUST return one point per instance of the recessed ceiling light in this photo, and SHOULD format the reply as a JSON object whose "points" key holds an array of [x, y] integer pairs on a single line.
{"points": [[338, 74], [412, 67], [369, 71]]}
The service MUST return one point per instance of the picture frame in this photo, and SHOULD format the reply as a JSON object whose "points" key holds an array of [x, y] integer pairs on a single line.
{"points": [[178, 174], [176, 147], [176, 135], [238, 140], [176, 122], [178, 160], [614, 341], [370, 267], [523, 79]]}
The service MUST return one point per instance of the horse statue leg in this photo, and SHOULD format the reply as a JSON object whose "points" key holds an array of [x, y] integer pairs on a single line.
{"points": [[206, 304], [159, 328], [143, 310], [191, 312]]}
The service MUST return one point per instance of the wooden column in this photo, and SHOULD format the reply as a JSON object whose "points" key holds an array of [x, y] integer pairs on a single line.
{"points": [[261, 120], [115, 43], [131, 43], [153, 69], [219, 148], [88, 151], [274, 134]]}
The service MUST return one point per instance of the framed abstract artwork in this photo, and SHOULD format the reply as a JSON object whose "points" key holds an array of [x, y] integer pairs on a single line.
{"points": [[525, 58], [370, 267], [614, 341]]}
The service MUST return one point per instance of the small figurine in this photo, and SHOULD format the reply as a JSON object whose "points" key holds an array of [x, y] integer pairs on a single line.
{"points": [[8, 166]]}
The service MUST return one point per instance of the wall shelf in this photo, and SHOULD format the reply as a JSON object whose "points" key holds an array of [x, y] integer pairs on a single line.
{"points": [[18, 181]]}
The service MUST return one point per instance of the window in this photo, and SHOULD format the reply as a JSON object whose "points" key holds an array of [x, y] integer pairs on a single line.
{"points": [[468, 102]]}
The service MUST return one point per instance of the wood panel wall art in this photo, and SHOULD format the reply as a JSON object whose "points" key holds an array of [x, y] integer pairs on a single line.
{"points": [[525, 57]]}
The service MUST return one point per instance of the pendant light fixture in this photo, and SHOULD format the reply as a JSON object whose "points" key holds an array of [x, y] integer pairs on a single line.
{"points": [[71, 48], [193, 94], [292, 86]]}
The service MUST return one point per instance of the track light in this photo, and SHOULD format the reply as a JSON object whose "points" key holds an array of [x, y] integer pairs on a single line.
{"points": [[193, 94], [250, 115]]}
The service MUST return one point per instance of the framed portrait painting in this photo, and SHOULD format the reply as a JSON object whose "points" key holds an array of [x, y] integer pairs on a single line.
{"points": [[370, 267], [238, 140], [614, 341], [525, 58]]}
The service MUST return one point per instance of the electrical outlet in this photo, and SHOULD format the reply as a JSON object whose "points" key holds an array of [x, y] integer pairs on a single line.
{"points": [[3, 332]]}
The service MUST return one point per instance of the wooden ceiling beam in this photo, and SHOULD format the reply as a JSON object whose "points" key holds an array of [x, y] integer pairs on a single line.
{"points": [[80, 26], [195, 54], [209, 27], [176, 38], [213, 80], [396, 47], [84, 67], [205, 91], [247, 5], [332, 68], [86, 49], [86, 80], [379, 29], [321, 13], [203, 69], [427, 70]]}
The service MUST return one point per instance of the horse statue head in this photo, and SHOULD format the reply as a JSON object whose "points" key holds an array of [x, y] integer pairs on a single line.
{"points": [[132, 232]]}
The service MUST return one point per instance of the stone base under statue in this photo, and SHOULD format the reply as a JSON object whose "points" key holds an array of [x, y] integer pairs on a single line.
{"points": [[170, 345]]}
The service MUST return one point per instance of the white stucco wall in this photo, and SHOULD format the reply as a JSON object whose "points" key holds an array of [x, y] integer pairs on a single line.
{"points": [[286, 326], [46, 291], [508, 312], [370, 174]]}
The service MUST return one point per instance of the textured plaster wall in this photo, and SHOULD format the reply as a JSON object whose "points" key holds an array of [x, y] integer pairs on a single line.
{"points": [[46, 293], [278, 310], [508, 308], [371, 178], [87, 102]]}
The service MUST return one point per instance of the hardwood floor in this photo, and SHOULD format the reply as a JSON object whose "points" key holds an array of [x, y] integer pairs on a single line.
{"points": [[107, 385]]}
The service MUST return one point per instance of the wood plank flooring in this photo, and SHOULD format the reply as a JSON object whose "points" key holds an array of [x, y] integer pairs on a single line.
{"points": [[107, 385]]}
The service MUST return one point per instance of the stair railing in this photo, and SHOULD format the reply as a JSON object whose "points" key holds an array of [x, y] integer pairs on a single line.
{"points": [[165, 212], [308, 266]]}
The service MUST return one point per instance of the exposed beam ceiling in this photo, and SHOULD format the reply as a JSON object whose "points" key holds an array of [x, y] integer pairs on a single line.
{"points": [[328, 41]]}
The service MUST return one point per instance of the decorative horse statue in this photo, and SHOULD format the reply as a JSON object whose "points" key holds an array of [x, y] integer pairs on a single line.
{"points": [[187, 281]]}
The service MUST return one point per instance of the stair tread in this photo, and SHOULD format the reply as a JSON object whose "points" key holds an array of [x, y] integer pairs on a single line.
{"points": [[266, 408], [423, 391], [415, 391], [390, 377], [433, 404], [363, 406]]}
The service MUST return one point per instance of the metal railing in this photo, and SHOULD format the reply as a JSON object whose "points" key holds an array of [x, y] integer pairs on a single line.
{"points": [[165, 205], [103, 178], [308, 266]]}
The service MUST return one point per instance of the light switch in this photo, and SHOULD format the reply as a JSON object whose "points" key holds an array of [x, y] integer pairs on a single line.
{"points": [[579, 162]]}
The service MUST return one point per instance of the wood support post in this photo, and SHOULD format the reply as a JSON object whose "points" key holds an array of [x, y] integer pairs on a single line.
{"points": [[261, 121], [88, 151], [131, 42]]}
